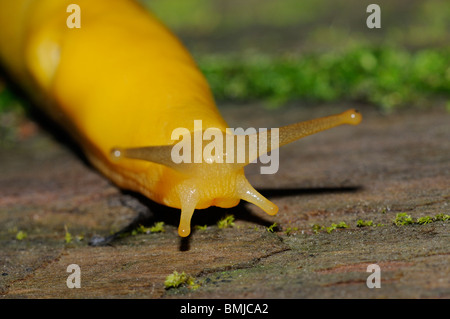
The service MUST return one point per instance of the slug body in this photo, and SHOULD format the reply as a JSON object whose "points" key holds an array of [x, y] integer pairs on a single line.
{"points": [[123, 83]]}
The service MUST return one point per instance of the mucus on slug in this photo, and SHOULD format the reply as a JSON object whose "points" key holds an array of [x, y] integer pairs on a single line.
{"points": [[123, 83]]}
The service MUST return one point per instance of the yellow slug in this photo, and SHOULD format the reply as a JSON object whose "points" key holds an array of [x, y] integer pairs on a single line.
{"points": [[121, 85]]}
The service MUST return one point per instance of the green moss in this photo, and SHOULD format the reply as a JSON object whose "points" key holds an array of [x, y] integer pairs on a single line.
{"points": [[318, 228], [441, 217], [21, 235], [176, 280], [334, 226], [139, 230], [158, 227], [67, 236], [271, 228], [386, 77], [424, 220], [362, 223], [199, 227], [402, 219], [290, 230], [226, 222]]}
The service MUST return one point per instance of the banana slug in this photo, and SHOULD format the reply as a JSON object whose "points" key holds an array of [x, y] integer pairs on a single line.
{"points": [[120, 85]]}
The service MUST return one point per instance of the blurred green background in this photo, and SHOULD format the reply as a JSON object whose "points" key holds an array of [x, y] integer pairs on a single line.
{"points": [[277, 26], [321, 51], [317, 51]]}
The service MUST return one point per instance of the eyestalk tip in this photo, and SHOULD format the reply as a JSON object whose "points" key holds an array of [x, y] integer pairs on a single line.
{"points": [[352, 117], [116, 153]]}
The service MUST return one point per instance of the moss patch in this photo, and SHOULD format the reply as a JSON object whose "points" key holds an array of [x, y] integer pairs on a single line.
{"points": [[176, 280], [158, 227], [329, 229], [388, 78], [364, 223], [226, 222], [272, 228], [21, 235], [402, 219]]}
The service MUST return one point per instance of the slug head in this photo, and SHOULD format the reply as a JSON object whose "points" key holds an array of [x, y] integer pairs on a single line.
{"points": [[204, 173], [209, 166]]}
